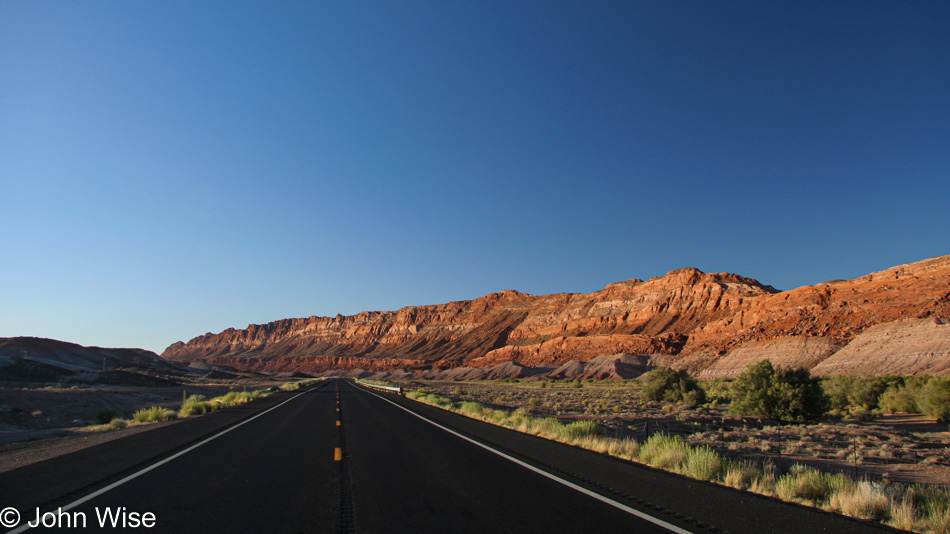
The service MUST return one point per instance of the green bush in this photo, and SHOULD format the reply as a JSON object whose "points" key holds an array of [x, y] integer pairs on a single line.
{"points": [[900, 398], [665, 384], [717, 390], [856, 392], [788, 395], [106, 415], [934, 399]]}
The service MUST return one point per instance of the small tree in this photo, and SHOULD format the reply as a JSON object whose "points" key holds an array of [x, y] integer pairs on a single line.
{"points": [[934, 399], [857, 392], [788, 395], [665, 384], [901, 397]]}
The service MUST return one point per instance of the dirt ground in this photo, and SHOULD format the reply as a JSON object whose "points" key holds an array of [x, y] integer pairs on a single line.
{"points": [[899, 448], [42, 421]]}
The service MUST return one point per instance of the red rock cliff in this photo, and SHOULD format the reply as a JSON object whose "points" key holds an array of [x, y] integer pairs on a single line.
{"points": [[710, 323]]}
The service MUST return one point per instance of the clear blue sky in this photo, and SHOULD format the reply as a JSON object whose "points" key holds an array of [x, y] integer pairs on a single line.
{"points": [[173, 168]]}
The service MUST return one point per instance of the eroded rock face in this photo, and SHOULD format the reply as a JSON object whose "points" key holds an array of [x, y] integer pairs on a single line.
{"points": [[713, 324], [785, 351], [909, 347]]}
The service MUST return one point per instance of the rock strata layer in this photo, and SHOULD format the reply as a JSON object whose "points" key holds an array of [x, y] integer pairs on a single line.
{"points": [[712, 324]]}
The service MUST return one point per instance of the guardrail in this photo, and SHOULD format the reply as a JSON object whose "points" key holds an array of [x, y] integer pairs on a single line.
{"points": [[393, 389]]}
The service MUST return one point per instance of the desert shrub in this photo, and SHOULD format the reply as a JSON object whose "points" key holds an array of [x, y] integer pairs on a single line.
{"points": [[472, 409], [900, 398], [664, 452], [437, 400], [580, 429], [803, 484], [290, 386], [788, 395], [934, 399], [702, 463], [233, 398], [903, 515], [549, 427], [153, 415], [932, 506], [764, 483], [498, 417], [106, 415], [860, 499], [576, 384], [717, 390], [534, 402], [740, 474], [665, 384], [118, 423], [195, 405], [847, 391], [624, 448]]}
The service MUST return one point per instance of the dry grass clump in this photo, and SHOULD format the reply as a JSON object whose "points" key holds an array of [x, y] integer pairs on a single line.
{"points": [[194, 405], [154, 414], [197, 404], [664, 452], [860, 499], [740, 475], [923, 509], [118, 423], [703, 463], [802, 484], [624, 448]]}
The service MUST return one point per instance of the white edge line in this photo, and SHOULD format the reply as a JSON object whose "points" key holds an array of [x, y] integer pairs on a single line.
{"points": [[93, 495], [585, 491]]}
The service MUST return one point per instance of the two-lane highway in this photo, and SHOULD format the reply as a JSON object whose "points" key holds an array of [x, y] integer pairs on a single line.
{"points": [[411, 476], [340, 458]]}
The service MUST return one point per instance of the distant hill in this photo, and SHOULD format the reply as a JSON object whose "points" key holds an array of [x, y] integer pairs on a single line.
{"points": [[893, 321], [31, 358]]}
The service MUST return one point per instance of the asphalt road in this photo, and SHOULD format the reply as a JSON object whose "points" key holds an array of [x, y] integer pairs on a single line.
{"points": [[340, 458]]}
